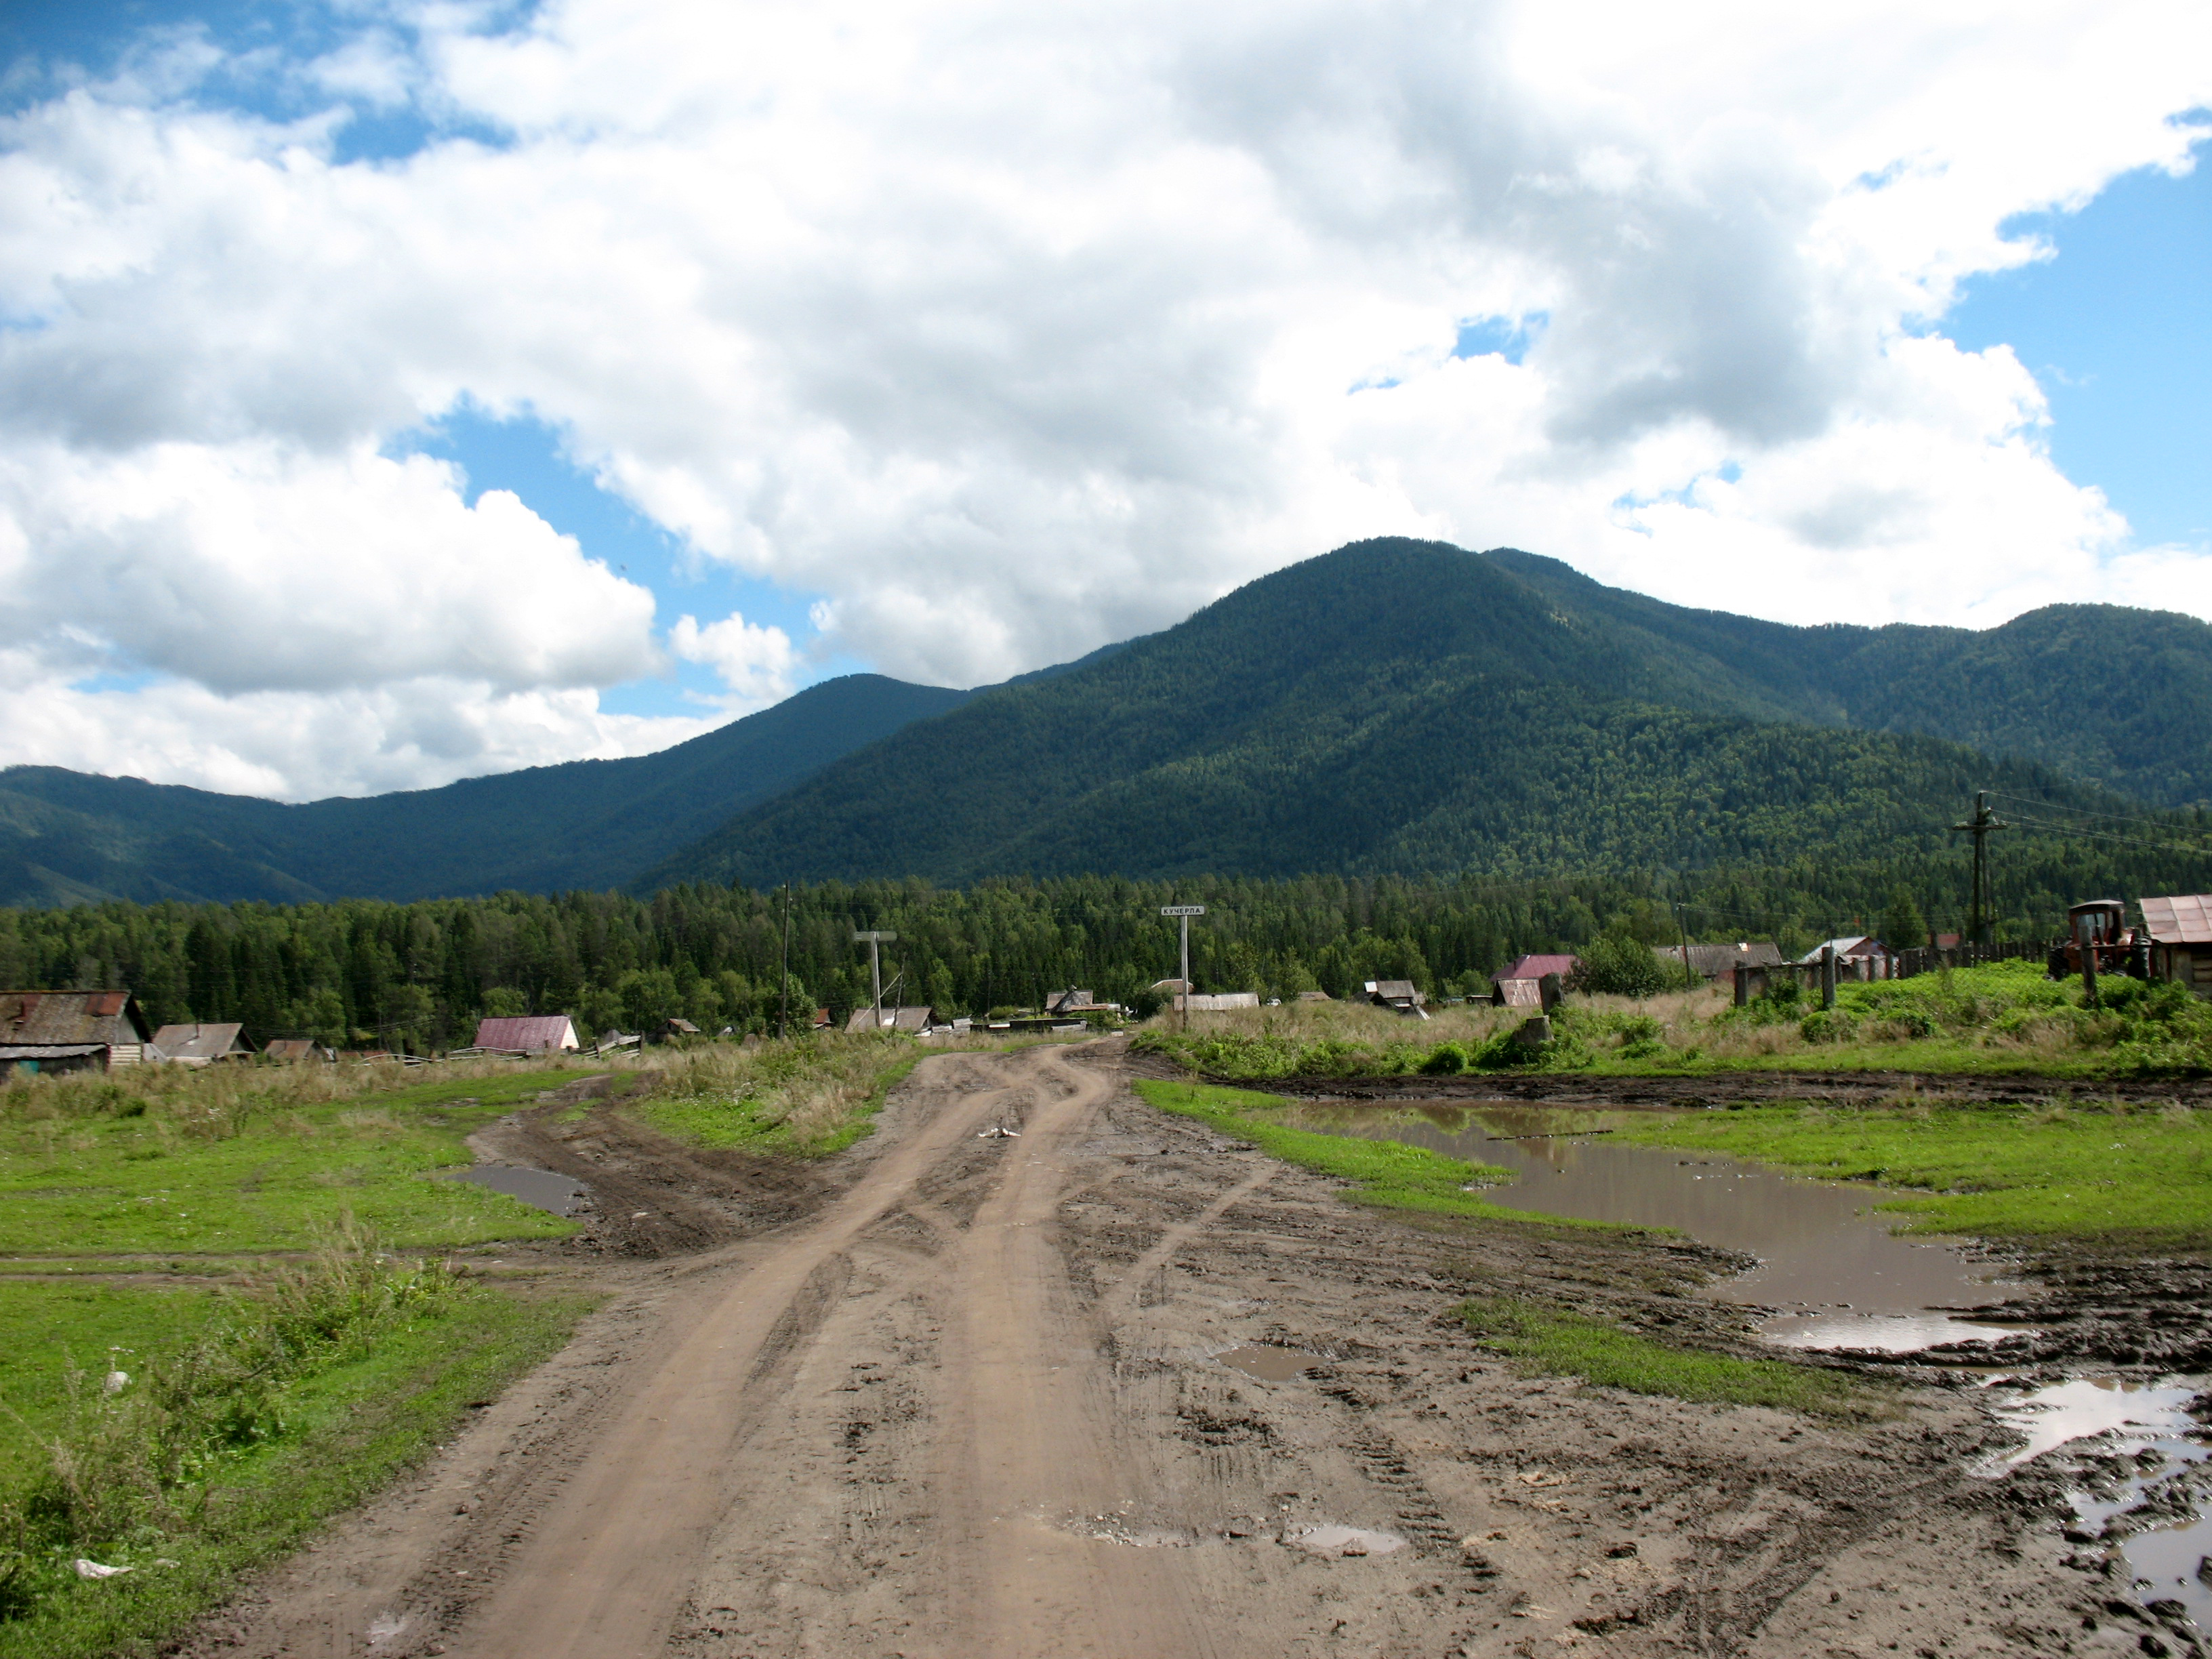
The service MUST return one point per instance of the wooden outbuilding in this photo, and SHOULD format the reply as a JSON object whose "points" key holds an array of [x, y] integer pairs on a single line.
{"points": [[201, 1044], [2181, 930]]}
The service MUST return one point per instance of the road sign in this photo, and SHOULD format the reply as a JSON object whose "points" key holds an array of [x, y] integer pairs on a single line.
{"points": [[1182, 910]]}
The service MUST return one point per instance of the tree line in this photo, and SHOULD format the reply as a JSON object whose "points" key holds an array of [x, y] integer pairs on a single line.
{"points": [[418, 976]]}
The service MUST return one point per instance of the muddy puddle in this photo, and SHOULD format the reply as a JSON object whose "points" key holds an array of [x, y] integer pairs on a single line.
{"points": [[1839, 1276], [2137, 1451], [1269, 1363], [562, 1194]]}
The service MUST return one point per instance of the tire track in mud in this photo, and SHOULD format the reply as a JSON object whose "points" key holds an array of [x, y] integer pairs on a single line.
{"points": [[966, 1412]]}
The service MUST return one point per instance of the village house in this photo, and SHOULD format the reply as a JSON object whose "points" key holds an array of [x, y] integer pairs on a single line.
{"points": [[70, 1030], [2181, 930], [1712, 961], [1520, 983], [914, 1020], [294, 1049], [1396, 994], [200, 1045], [528, 1033]]}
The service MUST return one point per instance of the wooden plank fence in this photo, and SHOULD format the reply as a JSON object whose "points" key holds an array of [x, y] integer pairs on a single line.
{"points": [[1903, 964]]}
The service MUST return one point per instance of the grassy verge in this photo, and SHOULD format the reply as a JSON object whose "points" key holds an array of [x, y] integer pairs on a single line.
{"points": [[1546, 1342], [805, 1098], [1388, 1175], [2005, 1017], [138, 1165], [296, 1400], [2138, 1178]]}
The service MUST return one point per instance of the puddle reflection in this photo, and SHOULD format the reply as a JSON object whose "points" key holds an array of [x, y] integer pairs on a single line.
{"points": [[1842, 1279], [2165, 1561]]}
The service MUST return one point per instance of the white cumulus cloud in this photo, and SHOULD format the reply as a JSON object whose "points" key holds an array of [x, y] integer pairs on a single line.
{"points": [[1011, 329]]}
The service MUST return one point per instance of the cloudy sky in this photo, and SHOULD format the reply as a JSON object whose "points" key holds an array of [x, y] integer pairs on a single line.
{"points": [[394, 392]]}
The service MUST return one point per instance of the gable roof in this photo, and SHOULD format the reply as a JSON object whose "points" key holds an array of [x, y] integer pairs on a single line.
{"points": [[201, 1041], [2181, 919], [1850, 945], [527, 1032], [1711, 960], [290, 1048], [42, 1019], [1536, 966]]}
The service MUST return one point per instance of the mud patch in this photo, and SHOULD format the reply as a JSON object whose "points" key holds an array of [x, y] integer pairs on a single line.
{"points": [[1266, 1363], [1329, 1539]]}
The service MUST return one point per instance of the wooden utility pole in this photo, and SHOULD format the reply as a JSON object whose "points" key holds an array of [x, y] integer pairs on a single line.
{"points": [[2085, 940], [1185, 912], [1828, 975], [1978, 827], [875, 942], [783, 1020]]}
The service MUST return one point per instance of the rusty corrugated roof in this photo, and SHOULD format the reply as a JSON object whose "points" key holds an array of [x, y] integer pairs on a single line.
{"points": [[48, 1018], [2184, 919]]}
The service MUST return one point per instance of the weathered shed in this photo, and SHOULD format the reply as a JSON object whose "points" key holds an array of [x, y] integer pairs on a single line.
{"points": [[1401, 994], [201, 1044], [294, 1049], [528, 1033], [677, 1027], [70, 1030], [2180, 929]]}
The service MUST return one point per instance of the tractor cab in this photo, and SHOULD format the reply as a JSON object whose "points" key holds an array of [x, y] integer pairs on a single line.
{"points": [[2099, 921]]}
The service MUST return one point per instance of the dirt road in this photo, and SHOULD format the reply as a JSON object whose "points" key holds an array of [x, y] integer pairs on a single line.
{"points": [[973, 1403]]}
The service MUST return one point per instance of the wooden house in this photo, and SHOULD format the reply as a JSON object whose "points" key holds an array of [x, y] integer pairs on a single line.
{"points": [[200, 1044], [70, 1030], [2181, 930]]}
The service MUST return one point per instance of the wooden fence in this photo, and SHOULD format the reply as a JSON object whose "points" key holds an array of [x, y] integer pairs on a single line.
{"points": [[1903, 964]]}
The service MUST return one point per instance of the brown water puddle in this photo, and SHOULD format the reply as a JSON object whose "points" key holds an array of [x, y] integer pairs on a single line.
{"points": [[1841, 1278]]}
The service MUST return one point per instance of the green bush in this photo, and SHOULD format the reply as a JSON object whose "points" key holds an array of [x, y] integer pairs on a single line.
{"points": [[1616, 965]]}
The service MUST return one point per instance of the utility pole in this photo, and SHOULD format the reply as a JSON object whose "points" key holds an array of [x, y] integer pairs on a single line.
{"points": [[2085, 940], [1185, 912], [783, 987], [875, 942], [1978, 827], [1682, 927]]}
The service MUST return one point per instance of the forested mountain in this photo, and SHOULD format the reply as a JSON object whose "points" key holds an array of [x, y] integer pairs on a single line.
{"points": [[2102, 692], [1395, 706], [1407, 706], [69, 838]]}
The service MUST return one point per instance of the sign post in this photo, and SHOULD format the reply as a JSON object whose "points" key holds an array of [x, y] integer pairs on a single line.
{"points": [[1184, 913], [875, 942]]}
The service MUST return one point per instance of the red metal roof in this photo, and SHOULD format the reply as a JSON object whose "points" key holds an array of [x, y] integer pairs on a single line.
{"points": [[2183, 919], [528, 1032]]}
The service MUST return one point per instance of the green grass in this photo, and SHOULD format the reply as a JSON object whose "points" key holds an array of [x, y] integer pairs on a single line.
{"points": [[48, 1329], [2141, 1178], [1388, 1175], [130, 1175], [807, 1098], [346, 1430], [1548, 1342], [2004, 1017]]}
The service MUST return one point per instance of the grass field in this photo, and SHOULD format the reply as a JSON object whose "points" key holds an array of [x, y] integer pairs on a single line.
{"points": [[248, 1245], [1552, 1342], [2138, 1177], [1385, 1174], [2003, 1018]]}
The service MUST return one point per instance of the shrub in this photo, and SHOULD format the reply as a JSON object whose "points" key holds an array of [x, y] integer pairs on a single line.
{"points": [[1616, 965]]}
